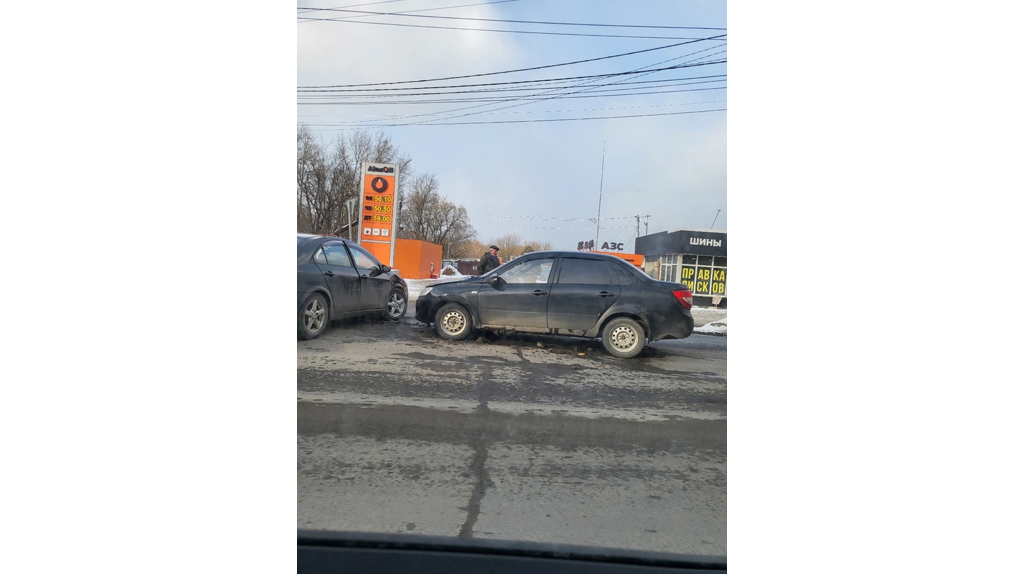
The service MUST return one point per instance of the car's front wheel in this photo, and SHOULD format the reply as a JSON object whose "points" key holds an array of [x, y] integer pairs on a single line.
{"points": [[623, 337], [452, 322], [313, 317], [398, 303]]}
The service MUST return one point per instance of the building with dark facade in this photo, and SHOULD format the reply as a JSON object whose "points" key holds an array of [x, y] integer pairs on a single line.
{"points": [[694, 257]]}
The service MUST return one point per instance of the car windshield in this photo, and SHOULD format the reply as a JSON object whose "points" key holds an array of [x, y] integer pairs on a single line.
{"points": [[568, 387]]}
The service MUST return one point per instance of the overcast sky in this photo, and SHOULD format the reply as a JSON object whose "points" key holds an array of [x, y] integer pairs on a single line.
{"points": [[538, 178]]}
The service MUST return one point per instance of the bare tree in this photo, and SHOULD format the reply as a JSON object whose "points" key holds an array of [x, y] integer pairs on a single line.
{"points": [[428, 216], [509, 245], [471, 249], [330, 175], [312, 181]]}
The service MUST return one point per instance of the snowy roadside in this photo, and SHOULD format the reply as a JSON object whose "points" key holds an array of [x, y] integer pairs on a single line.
{"points": [[714, 327], [708, 320]]}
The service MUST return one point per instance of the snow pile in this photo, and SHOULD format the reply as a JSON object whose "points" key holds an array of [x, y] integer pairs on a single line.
{"points": [[716, 327], [448, 271]]}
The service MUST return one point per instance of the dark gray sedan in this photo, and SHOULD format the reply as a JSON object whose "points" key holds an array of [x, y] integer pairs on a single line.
{"points": [[562, 293], [338, 278]]}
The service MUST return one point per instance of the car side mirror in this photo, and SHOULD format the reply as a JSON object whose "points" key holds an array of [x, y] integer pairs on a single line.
{"points": [[384, 269], [495, 281]]}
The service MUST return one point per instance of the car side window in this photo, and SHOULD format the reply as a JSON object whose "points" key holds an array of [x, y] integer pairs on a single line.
{"points": [[335, 254], [363, 258], [585, 272], [534, 271]]}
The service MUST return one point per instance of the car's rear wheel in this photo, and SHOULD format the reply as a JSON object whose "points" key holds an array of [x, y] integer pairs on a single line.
{"points": [[398, 303], [452, 322], [623, 337], [313, 317]]}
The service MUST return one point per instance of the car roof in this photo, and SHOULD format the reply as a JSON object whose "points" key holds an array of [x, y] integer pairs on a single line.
{"points": [[579, 254], [314, 236]]}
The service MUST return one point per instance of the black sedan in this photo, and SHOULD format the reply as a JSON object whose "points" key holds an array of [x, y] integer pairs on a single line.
{"points": [[338, 278], [562, 293]]}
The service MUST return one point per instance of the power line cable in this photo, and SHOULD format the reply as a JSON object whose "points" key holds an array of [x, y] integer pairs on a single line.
{"points": [[536, 227], [595, 94], [518, 98], [517, 70], [308, 10], [570, 111], [564, 88], [535, 22], [517, 82], [626, 36], [540, 218], [525, 101], [496, 92], [532, 121]]}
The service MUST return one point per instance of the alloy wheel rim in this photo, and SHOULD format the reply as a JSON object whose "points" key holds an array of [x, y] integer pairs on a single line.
{"points": [[314, 316], [395, 305]]}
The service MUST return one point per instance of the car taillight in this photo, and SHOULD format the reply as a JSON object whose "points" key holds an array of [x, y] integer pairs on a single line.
{"points": [[685, 297]]}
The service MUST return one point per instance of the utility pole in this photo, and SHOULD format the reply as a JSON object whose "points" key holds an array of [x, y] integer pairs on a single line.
{"points": [[600, 192]]}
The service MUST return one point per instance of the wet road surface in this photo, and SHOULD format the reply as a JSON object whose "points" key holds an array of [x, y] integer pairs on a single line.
{"points": [[522, 437]]}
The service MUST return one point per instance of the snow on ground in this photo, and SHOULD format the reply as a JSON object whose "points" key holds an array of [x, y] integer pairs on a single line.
{"points": [[715, 327]]}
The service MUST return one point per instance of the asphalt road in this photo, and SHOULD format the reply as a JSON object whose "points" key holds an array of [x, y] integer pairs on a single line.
{"points": [[527, 437]]}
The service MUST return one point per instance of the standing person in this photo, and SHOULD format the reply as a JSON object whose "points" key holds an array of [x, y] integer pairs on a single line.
{"points": [[489, 260]]}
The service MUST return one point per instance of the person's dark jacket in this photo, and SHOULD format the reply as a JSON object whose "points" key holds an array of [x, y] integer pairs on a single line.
{"points": [[487, 262]]}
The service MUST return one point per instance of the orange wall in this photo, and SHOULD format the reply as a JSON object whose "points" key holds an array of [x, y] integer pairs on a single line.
{"points": [[413, 258], [382, 251], [633, 258]]}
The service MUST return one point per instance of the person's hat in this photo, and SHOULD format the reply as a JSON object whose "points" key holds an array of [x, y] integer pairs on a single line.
{"points": [[495, 247]]}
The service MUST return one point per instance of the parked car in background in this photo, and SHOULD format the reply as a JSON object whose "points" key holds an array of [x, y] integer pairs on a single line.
{"points": [[337, 278], [562, 293]]}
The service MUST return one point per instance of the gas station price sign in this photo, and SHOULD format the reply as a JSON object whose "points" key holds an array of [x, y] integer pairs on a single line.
{"points": [[377, 210]]}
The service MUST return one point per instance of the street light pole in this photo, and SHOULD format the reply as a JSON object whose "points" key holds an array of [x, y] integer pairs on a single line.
{"points": [[349, 205]]}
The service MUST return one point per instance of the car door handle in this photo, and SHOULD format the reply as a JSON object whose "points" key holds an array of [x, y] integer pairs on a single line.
{"points": [[606, 294], [329, 273], [539, 292]]}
